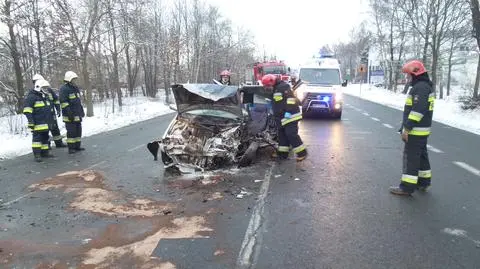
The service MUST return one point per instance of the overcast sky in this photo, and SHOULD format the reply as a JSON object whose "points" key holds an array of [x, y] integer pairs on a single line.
{"points": [[295, 29]]}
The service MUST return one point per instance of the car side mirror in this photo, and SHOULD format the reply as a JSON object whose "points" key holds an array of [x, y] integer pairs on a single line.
{"points": [[173, 107], [344, 84]]}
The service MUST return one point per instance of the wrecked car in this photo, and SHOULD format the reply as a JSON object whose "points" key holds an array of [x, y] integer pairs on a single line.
{"points": [[215, 126]]}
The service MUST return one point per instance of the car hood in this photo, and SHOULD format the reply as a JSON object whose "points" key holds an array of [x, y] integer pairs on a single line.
{"points": [[207, 96]]}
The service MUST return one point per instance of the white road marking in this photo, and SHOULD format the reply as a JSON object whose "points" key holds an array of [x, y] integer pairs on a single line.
{"points": [[16, 199], [388, 125], [94, 165], [366, 114], [253, 234], [434, 149], [137, 147], [375, 119], [468, 167]]}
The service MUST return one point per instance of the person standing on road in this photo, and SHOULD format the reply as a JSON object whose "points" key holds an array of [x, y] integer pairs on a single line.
{"points": [[55, 109], [287, 114], [417, 120], [72, 111], [37, 110]]}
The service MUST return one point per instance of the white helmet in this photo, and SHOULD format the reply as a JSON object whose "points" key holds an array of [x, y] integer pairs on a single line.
{"points": [[69, 75], [37, 77], [39, 84]]}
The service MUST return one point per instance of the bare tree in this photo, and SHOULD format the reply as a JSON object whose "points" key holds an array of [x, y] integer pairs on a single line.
{"points": [[83, 38], [11, 44]]}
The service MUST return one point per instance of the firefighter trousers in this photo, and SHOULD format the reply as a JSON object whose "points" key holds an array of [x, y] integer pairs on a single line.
{"points": [[55, 132], [40, 143], [288, 136], [416, 164], [74, 134]]}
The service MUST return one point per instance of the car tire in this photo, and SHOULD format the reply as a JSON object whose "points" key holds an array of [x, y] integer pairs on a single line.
{"points": [[165, 159], [337, 115]]}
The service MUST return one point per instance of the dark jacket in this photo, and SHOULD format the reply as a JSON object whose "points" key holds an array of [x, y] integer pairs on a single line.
{"points": [[285, 101], [418, 110], [37, 110], [54, 102], [71, 103]]}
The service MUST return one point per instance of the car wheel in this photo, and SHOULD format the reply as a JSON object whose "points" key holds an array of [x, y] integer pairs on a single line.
{"points": [[165, 159], [338, 115]]}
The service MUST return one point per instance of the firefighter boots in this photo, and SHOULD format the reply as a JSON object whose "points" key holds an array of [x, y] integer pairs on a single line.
{"points": [[38, 158], [60, 144], [399, 191]]}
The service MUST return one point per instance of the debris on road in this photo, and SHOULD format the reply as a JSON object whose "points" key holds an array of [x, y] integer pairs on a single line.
{"points": [[277, 176], [243, 193], [86, 240], [296, 179], [258, 180]]}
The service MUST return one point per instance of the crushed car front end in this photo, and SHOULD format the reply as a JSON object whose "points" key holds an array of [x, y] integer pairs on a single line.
{"points": [[212, 129]]}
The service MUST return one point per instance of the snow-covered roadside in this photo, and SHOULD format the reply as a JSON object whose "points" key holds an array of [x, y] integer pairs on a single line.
{"points": [[134, 109], [447, 111]]}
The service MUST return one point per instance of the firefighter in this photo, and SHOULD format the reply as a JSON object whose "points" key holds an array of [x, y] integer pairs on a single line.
{"points": [[225, 77], [417, 120], [37, 110], [72, 111], [287, 115], [55, 109]]}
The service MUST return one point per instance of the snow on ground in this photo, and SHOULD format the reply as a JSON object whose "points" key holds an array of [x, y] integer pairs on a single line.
{"points": [[17, 140], [446, 111]]}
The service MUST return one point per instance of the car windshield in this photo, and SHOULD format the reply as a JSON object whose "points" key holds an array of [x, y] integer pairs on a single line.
{"points": [[275, 69], [213, 113], [320, 76]]}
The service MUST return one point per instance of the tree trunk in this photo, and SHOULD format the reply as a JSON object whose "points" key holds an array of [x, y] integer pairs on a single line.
{"points": [[16, 58], [116, 79], [474, 6], [477, 80], [129, 70], [86, 84], [449, 76], [38, 37]]}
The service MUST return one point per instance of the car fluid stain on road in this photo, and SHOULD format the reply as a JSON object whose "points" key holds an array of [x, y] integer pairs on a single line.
{"points": [[129, 243], [184, 227], [92, 195]]}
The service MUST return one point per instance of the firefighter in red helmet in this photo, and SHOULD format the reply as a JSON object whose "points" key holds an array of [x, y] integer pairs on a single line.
{"points": [[225, 77], [417, 120], [287, 114]]}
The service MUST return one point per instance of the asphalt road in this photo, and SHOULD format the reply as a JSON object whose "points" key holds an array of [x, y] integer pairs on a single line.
{"points": [[115, 208]]}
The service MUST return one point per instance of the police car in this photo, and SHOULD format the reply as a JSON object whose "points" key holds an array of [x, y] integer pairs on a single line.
{"points": [[319, 87]]}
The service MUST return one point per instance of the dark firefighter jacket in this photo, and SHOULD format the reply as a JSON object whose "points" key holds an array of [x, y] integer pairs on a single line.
{"points": [[54, 101], [71, 104], [37, 110], [418, 110], [285, 101]]}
